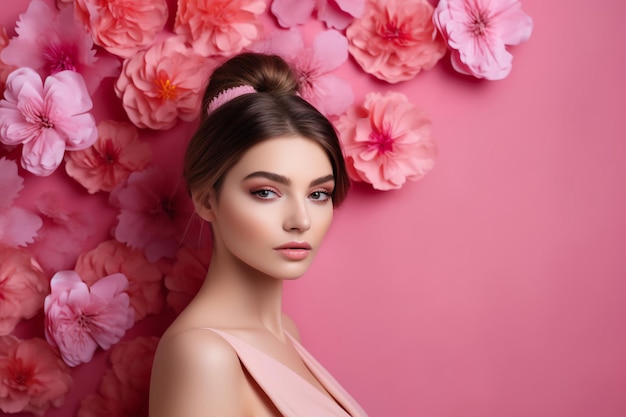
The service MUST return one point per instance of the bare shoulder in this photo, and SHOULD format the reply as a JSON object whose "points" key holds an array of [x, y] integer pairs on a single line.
{"points": [[291, 327], [196, 373]]}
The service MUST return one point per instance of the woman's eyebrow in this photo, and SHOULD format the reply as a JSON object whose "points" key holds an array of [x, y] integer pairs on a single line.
{"points": [[270, 176], [281, 179], [322, 180]]}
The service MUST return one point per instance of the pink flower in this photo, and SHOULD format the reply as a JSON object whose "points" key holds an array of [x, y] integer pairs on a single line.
{"points": [[395, 39], [5, 69], [46, 117], [163, 84], [154, 210], [23, 286], [32, 377], [387, 141], [124, 388], [116, 154], [144, 278], [335, 13], [79, 318], [186, 276], [330, 94], [18, 226], [50, 41], [219, 27], [478, 32], [123, 27], [62, 235]]}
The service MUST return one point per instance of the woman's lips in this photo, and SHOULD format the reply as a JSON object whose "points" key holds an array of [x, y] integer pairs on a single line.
{"points": [[294, 251]]}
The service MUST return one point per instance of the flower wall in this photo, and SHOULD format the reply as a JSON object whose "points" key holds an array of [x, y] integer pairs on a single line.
{"points": [[476, 268]]}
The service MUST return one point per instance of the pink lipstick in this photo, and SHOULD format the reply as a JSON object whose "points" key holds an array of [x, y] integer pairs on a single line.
{"points": [[294, 251]]}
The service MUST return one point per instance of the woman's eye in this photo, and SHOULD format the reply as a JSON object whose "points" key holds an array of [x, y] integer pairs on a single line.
{"points": [[321, 195], [265, 194]]}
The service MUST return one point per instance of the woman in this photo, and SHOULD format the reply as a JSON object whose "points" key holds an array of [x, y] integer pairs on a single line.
{"points": [[265, 169]]}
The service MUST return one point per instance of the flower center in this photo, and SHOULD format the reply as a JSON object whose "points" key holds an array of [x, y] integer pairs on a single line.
{"points": [[166, 89], [84, 321], [479, 23], [391, 31], [21, 377], [110, 153], [44, 122], [59, 58], [381, 140]]}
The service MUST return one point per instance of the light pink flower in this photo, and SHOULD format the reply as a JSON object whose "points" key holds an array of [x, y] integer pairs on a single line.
{"points": [[387, 141], [32, 377], [46, 117], [62, 235], [18, 226], [50, 41], [186, 276], [123, 27], [163, 84], [395, 39], [478, 32], [23, 286], [144, 278], [330, 94], [124, 388], [219, 27], [154, 210], [117, 153], [335, 13], [79, 318], [5, 69]]}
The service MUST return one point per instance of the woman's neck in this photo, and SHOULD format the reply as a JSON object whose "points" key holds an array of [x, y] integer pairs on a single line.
{"points": [[240, 296]]}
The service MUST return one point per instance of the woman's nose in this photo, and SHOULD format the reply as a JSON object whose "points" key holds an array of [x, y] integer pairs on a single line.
{"points": [[297, 217]]}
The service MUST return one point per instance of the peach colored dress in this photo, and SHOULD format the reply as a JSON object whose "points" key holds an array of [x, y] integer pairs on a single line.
{"points": [[291, 394]]}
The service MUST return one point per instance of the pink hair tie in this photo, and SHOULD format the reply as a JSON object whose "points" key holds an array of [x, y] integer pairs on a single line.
{"points": [[227, 95]]}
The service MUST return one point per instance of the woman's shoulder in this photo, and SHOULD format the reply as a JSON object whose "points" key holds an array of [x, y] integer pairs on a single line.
{"points": [[194, 370]]}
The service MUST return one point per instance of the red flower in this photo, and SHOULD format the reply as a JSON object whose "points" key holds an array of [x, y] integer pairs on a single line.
{"points": [[32, 377], [23, 287], [186, 276], [116, 154], [395, 39], [144, 278]]}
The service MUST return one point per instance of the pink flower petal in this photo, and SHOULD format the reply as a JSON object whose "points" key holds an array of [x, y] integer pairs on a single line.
{"points": [[291, 13], [331, 48]]}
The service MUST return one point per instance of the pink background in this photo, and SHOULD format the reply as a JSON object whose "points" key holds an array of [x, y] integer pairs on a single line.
{"points": [[494, 287]]}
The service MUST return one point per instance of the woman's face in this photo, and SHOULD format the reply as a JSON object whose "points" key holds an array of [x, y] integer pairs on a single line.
{"points": [[275, 207]]}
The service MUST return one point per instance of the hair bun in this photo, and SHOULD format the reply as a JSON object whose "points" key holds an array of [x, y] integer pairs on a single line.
{"points": [[265, 73]]}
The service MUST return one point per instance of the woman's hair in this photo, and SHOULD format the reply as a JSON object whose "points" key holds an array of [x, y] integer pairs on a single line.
{"points": [[274, 110]]}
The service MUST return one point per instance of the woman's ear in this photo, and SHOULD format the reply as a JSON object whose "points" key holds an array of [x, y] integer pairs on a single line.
{"points": [[204, 204]]}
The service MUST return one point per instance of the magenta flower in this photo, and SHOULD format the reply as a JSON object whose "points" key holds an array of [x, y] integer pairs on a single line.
{"points": [[163, 84], [50, 41], [62, 235], [478, 32], [330, 94], [23, 286], [46, 117], [79, 318], [18, 226], [387, 141], [395, 40], [334, 13], [32, 377], [118, 151], [154, 210]]}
